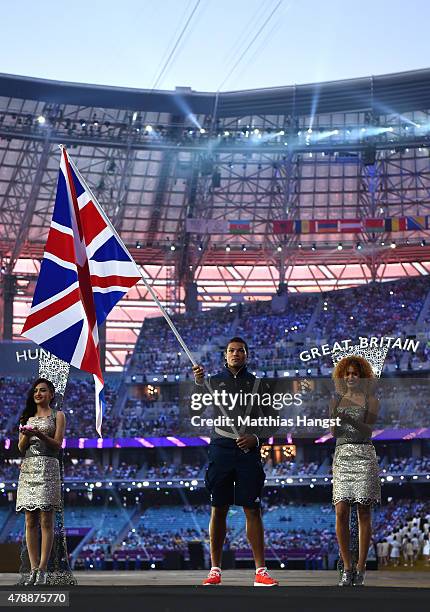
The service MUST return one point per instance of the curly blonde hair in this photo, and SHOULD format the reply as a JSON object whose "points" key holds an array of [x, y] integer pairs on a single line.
{"points": [[367, 377]]}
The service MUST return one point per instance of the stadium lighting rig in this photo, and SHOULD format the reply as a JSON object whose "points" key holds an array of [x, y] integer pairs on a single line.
{"points": [[398, 135]]}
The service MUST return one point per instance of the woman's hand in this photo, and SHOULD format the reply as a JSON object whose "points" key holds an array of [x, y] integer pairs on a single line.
{"points": [[36, 432], [26, 431]]}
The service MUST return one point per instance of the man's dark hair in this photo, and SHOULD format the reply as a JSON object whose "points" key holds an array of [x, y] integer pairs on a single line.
{"points": [[237, 339]]}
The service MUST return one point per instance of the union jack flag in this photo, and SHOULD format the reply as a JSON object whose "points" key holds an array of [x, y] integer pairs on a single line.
{"points": [[85, 271]]}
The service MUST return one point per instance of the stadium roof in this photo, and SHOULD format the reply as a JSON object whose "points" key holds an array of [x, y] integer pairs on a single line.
{"points": [[401, 92]]}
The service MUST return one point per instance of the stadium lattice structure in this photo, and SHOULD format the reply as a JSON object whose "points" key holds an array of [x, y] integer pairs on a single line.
{"points": [[342, 150]]}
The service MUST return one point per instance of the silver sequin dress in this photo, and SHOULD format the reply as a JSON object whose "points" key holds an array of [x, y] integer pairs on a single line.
{"points": [[355, 464], [39, 485]]}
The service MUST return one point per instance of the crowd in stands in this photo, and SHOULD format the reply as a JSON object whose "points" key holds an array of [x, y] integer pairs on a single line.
{"points": [[157, 350], [78, 406], [13, 392], [88, 469], [166, 471], [262, 328], [80, 469], [141, 417], [376, 309], [407, 465], [291, 468], [379, 309], [402, 532]]}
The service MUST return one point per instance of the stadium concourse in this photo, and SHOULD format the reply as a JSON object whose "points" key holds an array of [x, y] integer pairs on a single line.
{"points": [[299, 239]]}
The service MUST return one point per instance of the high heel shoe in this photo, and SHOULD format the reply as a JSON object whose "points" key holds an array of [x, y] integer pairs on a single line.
{"points": [[346, 578], [41, 578], [31, 578], [358, 579]]}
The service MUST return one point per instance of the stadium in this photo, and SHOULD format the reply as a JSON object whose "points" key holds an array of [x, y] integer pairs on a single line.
{"points": [[295, 217]]}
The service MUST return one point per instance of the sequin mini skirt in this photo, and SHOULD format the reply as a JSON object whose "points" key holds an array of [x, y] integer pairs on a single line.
{"points": [[39, 486], [356, 474]]}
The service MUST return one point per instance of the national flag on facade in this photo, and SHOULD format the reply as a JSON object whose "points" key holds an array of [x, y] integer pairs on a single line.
{"points": [[305, 226], [240, 226], [395, 224], [415, 223], [350, 226], [85, 271], [283, 227], [327, 226], [374, 225]]}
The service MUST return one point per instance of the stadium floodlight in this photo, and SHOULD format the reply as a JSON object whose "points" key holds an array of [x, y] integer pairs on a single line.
{"points": [[256, 131], [393, 245], [202, 131], [226, 133], [172, 247], [228, 249], [309, 130], [423, 243], [279, 249], [41, 120], [281, 133], [359, 246], [149, 129], [243, 247], [314, 247]]}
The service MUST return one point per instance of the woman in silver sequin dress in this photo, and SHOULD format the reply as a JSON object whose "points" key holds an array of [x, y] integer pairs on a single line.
{"points": [[39, 486], [355, 465]]}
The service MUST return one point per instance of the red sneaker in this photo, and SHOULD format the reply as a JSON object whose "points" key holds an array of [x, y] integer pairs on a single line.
{"points": [[262, 578], [214, 577]]}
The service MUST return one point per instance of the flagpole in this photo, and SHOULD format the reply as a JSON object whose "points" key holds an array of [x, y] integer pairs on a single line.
{"points": [[147, 285]]}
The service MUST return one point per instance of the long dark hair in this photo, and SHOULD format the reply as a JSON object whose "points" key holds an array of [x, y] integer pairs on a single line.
{"points": [[30, 405]]}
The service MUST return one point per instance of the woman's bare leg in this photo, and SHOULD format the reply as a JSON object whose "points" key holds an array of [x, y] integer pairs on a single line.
{"points": [[32, 536], [364, 534], [47, 525], [342, 532]]}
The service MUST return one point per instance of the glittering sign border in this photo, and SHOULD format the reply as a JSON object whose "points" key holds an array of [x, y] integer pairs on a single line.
{"points": [[57, 371], [375, 356]]}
